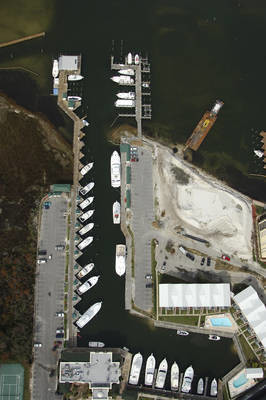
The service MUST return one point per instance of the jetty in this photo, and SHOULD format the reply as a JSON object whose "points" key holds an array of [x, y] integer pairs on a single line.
{"points": [[23, 39]]}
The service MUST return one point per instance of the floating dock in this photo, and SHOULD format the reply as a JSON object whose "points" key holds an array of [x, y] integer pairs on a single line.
{"points": [[23, 39], [203, 127]]}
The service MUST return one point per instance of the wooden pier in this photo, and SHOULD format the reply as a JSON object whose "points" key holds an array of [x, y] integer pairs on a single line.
{"points": [[24, 39]]}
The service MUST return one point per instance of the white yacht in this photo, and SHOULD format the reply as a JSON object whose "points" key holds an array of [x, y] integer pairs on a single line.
{"points": [[129, 58], [120, 259], [85, 270], [85, 243], [87, 188], [86, 216], [123, 80], [74, 98], [214, 337], [96, 344], [135, 369], [89, 314], [116, 212], [86, 169], [161, 375], [128, 71], [126, 95], [259, 153], [125, 103], [188, 378], [88, 284], [174, 376], [86, 229], [115, 170], [213, 391], [200, 387], [182, 333], [55, 69], [149, 371], [136, 59], [86, 203], [85, 123], [145, 84], [75, 77]]}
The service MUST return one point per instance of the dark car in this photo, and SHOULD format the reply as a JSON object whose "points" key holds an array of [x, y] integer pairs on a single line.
{"points": [[202, 261], [59, 335], [149, 285], [208, 261], [190, 256]]}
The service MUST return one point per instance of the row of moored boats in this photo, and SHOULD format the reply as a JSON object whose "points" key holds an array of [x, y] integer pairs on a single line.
{"points": [[159, 379]]}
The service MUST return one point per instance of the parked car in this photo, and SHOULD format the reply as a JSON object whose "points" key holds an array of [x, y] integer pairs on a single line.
{"points": [[50, 257], [60, 314], [42, 261], [60, 330], [37, 344], [59, 335], [225, 257], [60, 247], [47, 205], [148, 276], [190, 256], [42, 252], [149, 285], [181, 248], [202, 261], [208, 261]]}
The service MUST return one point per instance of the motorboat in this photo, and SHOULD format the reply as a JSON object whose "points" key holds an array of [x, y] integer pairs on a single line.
{"points": [[126, 95], [149, 371], [88, 285], [116, 212], [115, 170], [87, 188], [174, 376], [123, 80], [85, 270], [85, 123], [55, 70], [214, 337], [120, 259], [75, 77], [96, 344], [89, 314], [187, 381], [182, 333], [86, 216], [85, 243], [200, 387], [135, 369], [136, 59], [85, 203], [124, 103], [145, 84], [74, 98], [128, 71], [213, 391], [86, 169], [86, 229], [129, 58], [161, 375], [259, 153]]}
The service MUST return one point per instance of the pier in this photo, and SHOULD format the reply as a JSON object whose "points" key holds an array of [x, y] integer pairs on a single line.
{"points": [[141, 111], [24, 39]]}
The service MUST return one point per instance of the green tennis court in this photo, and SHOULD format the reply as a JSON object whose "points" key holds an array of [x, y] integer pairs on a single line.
{"points": [[11, 381]]}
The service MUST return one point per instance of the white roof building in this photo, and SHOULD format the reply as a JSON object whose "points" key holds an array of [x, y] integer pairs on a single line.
{"points": [[194, 295], [254, 311], [254, 373], [68, 63]]}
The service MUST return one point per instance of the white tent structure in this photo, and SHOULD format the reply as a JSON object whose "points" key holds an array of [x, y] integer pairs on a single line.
{"points": [[194, 295], [254, 311]]}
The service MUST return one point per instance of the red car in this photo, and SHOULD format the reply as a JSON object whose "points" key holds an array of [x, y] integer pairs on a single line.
{"points": [[224, 257]]}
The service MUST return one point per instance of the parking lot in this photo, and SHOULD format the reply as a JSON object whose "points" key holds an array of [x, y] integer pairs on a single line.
{"points": [[143, 215], [49, 296]]}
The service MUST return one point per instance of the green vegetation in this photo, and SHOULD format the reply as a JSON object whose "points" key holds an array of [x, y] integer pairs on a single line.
{"points": [[249, 354], [186, 320], [153, 270], [181, 177], [259, 210], [132, 252], [65, 303]]}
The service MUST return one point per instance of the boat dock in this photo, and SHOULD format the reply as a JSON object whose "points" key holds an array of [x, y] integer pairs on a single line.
{"points": [[142, 111], [23, 39]]}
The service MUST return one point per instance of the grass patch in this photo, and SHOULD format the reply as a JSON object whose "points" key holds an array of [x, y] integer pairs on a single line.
{"points": [[250, 356], [65, 303], [153, 271], [65, 324], [188, 320], [132, 252], [66, 287]]}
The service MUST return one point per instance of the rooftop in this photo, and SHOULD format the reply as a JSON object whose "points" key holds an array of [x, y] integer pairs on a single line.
{"points": [[68, 63]]}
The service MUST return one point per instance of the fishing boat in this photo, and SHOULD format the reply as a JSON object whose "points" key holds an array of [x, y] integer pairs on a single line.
{"points": [[135, 369], [120, 259], [126, 95], [161, 375], [214, 337], [96, 344], [182, 333], [123, 80], [74, 98], [174, 376], [115, 170], [85, 203], [85, 270], [89, 314], [128, 71], [116, 212], [200, 387], [123, 103], [213, 391], [86, 229], [259, 153], [55, 69], [75, 77], [87, 188], [149, 371], [88, 285], [86, 169], [136, 59], [129, 58], [188, 378], [86, 216], [85, 243]]}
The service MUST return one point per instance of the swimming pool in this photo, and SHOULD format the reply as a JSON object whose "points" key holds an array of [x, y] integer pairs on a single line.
{"points": [[221, 322], [241, 380]]}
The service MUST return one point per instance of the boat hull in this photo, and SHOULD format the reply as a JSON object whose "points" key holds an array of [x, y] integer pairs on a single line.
{"points": [[135, 369], [116, 212], [89, 314], [149, 371], [161, 375], [85, 270], [174, 377]]}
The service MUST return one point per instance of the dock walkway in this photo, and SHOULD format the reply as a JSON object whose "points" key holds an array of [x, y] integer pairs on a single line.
{"points": [[23, 39]]}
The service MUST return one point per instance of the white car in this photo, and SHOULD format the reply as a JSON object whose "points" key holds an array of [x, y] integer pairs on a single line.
{"points": [[41, 261], [37, 345], [60, 314]]}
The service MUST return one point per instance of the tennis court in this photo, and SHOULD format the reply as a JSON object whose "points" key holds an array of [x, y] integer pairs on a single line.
{"points": [[11, 381]]}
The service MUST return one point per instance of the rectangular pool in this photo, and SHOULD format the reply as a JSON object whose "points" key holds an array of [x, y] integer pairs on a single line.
{"points": [[221, 322]]}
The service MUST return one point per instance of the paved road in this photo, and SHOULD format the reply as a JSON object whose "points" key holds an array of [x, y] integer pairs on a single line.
{"points": [[49, 298]]}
